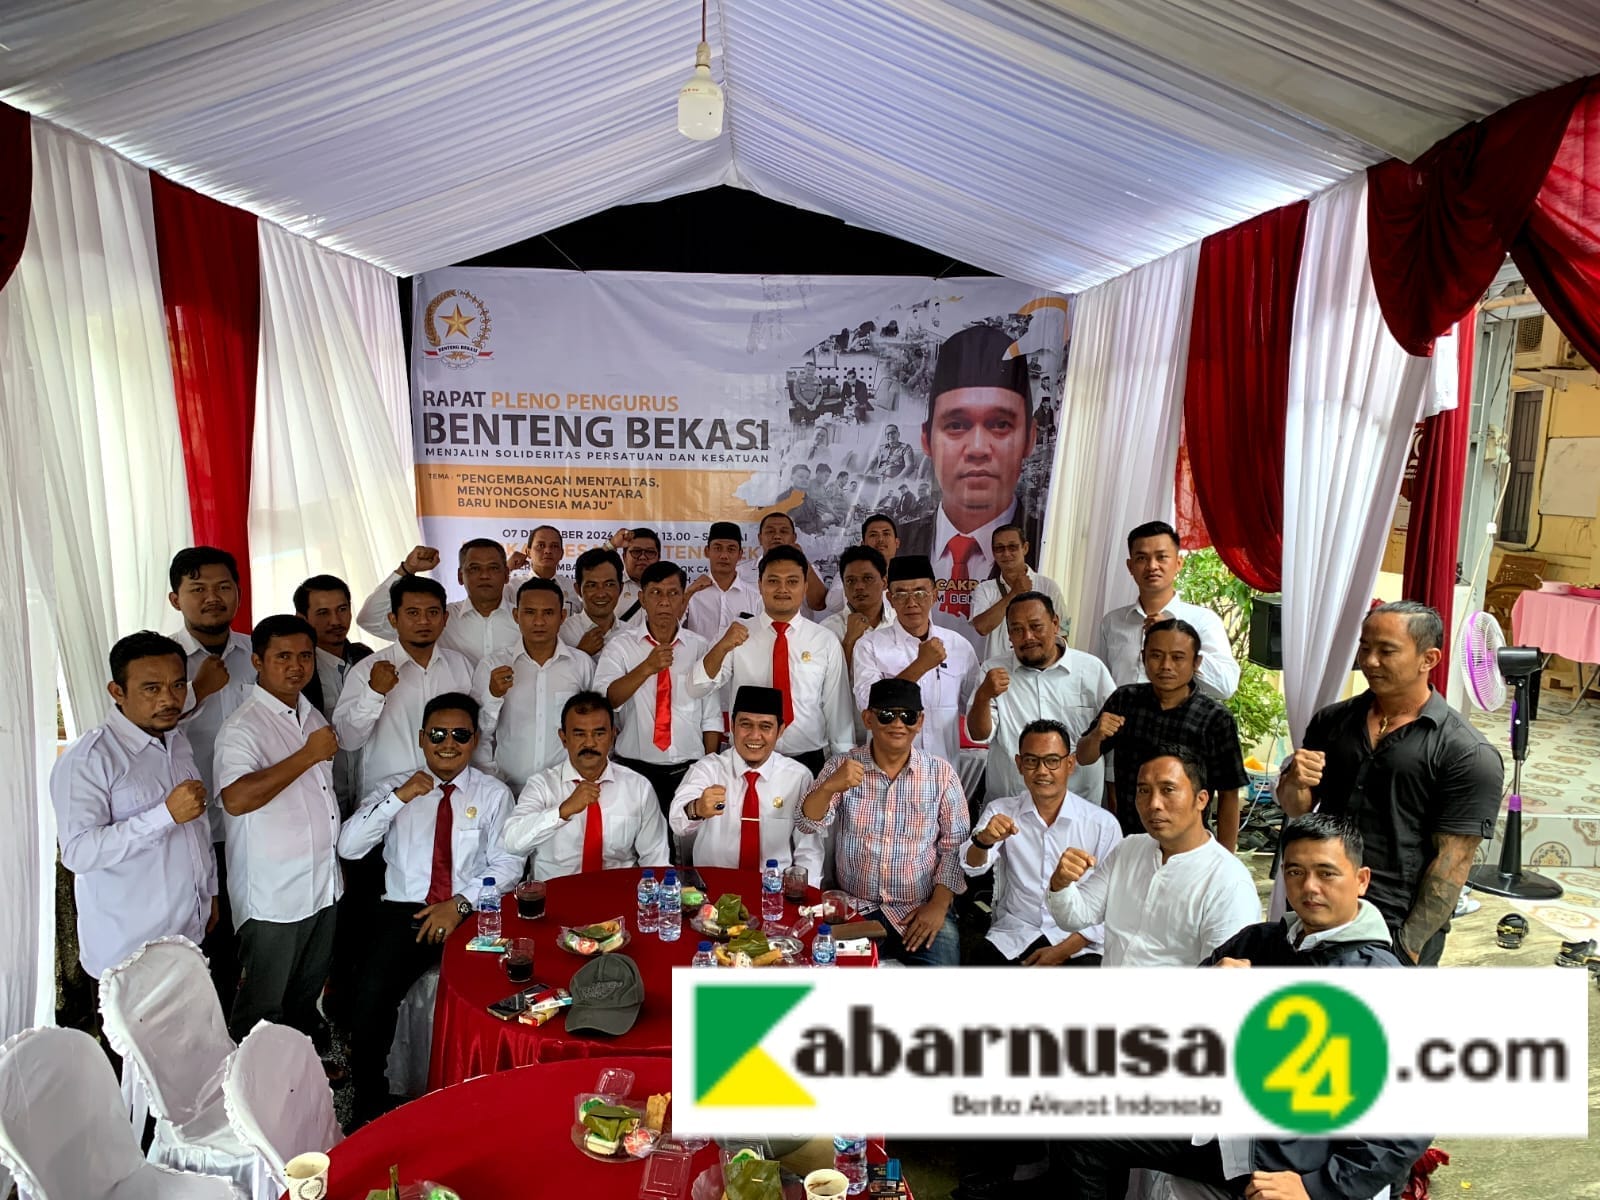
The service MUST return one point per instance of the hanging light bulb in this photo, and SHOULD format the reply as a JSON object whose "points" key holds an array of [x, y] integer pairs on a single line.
{"points": [[700, 99]]}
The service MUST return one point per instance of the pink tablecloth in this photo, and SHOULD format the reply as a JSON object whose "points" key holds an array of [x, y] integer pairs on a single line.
{"points": [[1558, 624]]}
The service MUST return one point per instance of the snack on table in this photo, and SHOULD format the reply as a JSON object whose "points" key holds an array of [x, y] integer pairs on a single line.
{"points": [[748, 949], [614, 1129], [600, 1144], [655, 1111], [639, 1142], [693, 898], [748, 1176], [600, 938]]}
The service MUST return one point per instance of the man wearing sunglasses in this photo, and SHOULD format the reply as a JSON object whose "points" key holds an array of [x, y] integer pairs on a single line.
{"points": [[441, 829], [944, 668], [899, 819]]}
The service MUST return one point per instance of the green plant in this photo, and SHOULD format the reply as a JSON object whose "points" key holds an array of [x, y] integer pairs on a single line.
{"points": [[1258, 704]]}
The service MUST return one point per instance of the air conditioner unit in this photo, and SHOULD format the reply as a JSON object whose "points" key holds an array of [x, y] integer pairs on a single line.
{"points": [[1541, 346], [1567, 357], [1530, 342]]}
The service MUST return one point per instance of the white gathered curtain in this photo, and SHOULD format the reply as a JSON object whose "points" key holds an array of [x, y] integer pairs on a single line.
{"points": [[329, 486], [1122, 407], [1354, 396]]}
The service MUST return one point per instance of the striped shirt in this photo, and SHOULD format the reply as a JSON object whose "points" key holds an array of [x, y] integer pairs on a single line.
{"points": [[895, 839]]}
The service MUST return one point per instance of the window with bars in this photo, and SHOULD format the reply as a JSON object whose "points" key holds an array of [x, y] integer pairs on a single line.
{"points": [[1517, 507]]}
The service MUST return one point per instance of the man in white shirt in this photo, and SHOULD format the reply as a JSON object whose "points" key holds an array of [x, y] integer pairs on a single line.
{"points": [[722, 595], [1041, 677], [384, 694], [777, 529], [599, 573], [589, 813], [645, 674], [275, 781], [546, 550], [1154, 562], [864, 574], [782, 649], [1023, 836], [520, 691], [1012, 577], [1168, 897], [739, 808], [480, 624], [323, 601], [441, 829], [130, 813], [205, 589], [640, 549], [881, 534], [945, 669]]}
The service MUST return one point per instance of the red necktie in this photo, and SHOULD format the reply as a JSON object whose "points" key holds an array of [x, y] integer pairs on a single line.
{"points": [[441, 883], [750, 825], [663, 738], [960, 549], [780, 668], [594, 836]]}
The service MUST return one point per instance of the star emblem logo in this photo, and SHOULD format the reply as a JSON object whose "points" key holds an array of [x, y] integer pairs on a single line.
{"points": [[455, 323]]}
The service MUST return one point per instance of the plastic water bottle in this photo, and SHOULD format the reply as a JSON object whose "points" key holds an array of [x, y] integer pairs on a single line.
{"points": [[488, 909], [822, 952], [850, 1160], [649, 903], [703, 956], [771, 894], [670, 919]]}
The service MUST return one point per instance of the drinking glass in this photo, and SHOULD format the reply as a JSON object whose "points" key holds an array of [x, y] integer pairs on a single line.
{"points": [[530, 900], [794, 885], [518, 960]]}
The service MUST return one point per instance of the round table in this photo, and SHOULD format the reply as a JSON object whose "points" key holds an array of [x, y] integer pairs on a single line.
{"points": [[468, 1041]]}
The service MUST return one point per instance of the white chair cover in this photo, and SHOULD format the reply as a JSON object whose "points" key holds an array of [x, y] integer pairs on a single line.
{"points": [[162, 1015], [278, 1099], [63, 1132], [407, 1068]]}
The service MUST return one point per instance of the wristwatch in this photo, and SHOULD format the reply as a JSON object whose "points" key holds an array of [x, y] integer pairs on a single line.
{"points": [[981, 845], [463, 907]]}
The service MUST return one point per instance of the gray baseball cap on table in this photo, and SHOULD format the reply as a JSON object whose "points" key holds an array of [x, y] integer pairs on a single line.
{"points": [[607, 993]]}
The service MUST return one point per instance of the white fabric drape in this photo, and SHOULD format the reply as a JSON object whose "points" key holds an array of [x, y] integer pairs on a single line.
{"points": [[83, 350], [375, 308], [1123, 403], [328, 487], [1354, 395]]}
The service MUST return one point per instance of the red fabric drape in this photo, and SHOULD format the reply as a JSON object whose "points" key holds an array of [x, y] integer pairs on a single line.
{"points": [[1433, 532], [1236, 394], [211, 286], [1558, 248], [16, 187], [1191, 525], [1438, 229]]}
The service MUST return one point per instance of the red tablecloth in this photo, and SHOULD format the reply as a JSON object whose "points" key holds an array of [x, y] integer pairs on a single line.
{"points": [[1558, 624], [467, 1041], [503, 1135]]}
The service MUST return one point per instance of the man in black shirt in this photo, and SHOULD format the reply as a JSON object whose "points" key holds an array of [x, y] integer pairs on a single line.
{"points": [[1421, 785], [1168, 711]]}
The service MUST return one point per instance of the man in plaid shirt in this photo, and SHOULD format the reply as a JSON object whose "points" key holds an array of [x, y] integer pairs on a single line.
{"points": [[900, 821]]}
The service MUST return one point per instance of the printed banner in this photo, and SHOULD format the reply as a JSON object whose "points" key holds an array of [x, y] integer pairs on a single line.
{"points": [[596, 401], [1131, 1053]]}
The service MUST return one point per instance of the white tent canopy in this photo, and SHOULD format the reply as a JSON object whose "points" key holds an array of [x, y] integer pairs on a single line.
{"points": [[1060, 143]]}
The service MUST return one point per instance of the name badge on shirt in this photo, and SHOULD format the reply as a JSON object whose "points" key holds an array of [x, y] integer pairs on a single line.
{"points": [[778, 803]]}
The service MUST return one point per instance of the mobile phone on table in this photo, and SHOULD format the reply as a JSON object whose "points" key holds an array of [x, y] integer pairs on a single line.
{"points": [[517, 1002]]}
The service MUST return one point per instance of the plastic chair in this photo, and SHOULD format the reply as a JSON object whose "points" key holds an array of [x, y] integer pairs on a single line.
{"points": [[162, 1016], [63, 1132], [278, 1100]]}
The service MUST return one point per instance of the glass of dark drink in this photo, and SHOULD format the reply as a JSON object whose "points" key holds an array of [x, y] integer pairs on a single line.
{"points": [[518, 960], [794, 885], [530, 900]]}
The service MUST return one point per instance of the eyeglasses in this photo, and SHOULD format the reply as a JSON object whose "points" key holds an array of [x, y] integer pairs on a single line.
{"points": [[644, 553], [916, 595], [1050, 762], [888, 716], [461, 736]]}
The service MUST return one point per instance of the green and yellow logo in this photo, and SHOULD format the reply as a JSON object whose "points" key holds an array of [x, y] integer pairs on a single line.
{"points": [[1311, 1058], [731, 1070]]}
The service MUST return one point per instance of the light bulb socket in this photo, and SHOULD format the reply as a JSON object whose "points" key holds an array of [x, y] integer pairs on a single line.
{"points": [[702, 55]]}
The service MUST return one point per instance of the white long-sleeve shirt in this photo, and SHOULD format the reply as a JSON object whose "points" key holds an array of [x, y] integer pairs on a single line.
{"points": [[283, 858], [1024, 862], [633, 831], [997, 642], [946, 690], [201, 722], [1157, 914], [479, 807], [139, 874], [711, 610], [818, 683], [385, 728], [467, 631], [1072, 690], [714, 841], [1121, 647], [692, 716], [520, 732]]}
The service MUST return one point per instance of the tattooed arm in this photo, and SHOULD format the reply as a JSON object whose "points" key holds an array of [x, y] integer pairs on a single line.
{"points": [[1441, 886]]}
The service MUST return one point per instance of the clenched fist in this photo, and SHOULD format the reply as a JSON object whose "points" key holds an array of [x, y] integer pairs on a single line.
{"points": [[500, 681], [322, 745], [997, 681], [855, 627], [211, 678], [586, 793], [1156, 618], [187, 801], [736, 636], [1109, 724], [699, 585], [931, 653], [1305, 768], [659, 659], [421, 558], [712, 801], [420, 784], [1074, 865], [593, 642], [383, 678], [849, 775], [999, 828]]}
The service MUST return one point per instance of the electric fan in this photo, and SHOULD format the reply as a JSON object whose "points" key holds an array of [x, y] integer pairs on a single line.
{"points": [[1489, 665]]}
